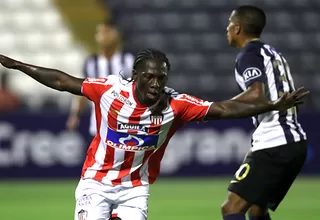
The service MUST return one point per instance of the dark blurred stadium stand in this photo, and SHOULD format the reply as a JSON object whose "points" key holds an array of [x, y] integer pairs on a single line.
{"points": [[60, 34], [192, 33]]}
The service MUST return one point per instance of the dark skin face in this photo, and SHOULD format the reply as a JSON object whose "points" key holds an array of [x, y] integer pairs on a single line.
{"points": [[107, 36], [233, 30], [235, 35], [151, 76]]}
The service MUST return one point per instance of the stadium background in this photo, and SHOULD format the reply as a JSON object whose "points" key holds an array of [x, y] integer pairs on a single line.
{"points": [[40, 160]]}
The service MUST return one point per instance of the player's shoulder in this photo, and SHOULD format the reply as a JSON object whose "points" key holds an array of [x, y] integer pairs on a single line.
{"points": [[110, 80], [114, 79], [253, 47], [185, 98], [120, 83], [176, 96]]}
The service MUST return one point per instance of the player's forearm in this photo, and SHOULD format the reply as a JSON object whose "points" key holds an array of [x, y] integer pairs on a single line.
{"points": [[235, 109], [49, 77], [78, 105]]}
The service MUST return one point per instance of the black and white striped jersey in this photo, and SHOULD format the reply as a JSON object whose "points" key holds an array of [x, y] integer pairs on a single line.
{"points": [[259, 62], [99, 66]]}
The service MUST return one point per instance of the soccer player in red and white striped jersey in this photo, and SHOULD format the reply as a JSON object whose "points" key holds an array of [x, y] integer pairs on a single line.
{"points": [[135, 121]]}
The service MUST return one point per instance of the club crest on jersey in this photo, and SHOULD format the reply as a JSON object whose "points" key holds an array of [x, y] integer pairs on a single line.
{"points": [[156, 119], [251, 73], [82, 215]]}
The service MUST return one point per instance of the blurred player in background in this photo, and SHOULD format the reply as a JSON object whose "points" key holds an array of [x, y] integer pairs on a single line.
{"points": [[279, 147], [111, 60], [135, 121], [9, 101]]}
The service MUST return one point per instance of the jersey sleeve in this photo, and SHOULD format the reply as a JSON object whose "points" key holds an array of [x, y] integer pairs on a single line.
{"points": [[191, 108], [251, 67], [93, 88]]}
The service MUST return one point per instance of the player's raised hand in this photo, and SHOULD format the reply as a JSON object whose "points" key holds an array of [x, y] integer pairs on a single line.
{"points": [[289, 100], [8, 62]]}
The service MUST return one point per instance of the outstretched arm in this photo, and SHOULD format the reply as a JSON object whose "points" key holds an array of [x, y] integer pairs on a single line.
{"points": [[235, 108], [52, 78]]}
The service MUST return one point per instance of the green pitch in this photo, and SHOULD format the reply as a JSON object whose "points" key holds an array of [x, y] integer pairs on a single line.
{"points": [[185, 199]]}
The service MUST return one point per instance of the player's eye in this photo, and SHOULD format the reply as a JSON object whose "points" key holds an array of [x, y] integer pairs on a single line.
{"points": [[148, 76]]}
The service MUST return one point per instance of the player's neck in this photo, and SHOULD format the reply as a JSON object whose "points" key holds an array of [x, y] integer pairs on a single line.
{"points": [[110, 51], [248, 40]]}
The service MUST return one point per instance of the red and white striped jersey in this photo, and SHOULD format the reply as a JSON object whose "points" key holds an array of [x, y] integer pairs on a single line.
{"points": [[130, 142]]}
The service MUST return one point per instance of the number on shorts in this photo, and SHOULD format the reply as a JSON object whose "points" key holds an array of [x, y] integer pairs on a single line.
{"points": [[244, 169]]}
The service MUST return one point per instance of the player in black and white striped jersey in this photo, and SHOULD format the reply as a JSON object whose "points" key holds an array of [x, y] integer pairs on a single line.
{"points": [[111, 60], [259, 62], [279, 147]]}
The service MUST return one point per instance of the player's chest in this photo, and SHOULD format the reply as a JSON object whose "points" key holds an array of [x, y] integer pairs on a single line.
{"points": [[121, 113], [140, 121], [138, 131]]}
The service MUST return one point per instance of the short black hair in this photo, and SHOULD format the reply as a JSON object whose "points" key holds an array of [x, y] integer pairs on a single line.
{"points": [[152, 54], [252, 19]]}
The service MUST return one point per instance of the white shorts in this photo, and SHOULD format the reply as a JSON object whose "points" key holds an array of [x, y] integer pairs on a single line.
{"points": [[97, 201]]}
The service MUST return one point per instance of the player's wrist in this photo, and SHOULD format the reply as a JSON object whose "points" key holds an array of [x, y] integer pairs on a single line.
{"points": [[272, 106], [17, 65]]}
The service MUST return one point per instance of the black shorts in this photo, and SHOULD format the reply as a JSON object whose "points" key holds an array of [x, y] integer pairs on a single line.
{"points": [[266, 175]]}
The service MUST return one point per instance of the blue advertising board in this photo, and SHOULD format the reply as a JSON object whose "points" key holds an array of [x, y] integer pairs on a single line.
{"points": [[39, 146]]}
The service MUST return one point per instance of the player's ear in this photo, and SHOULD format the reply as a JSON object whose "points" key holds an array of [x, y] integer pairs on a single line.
{"points": [[134, 75], [237, 29]]}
